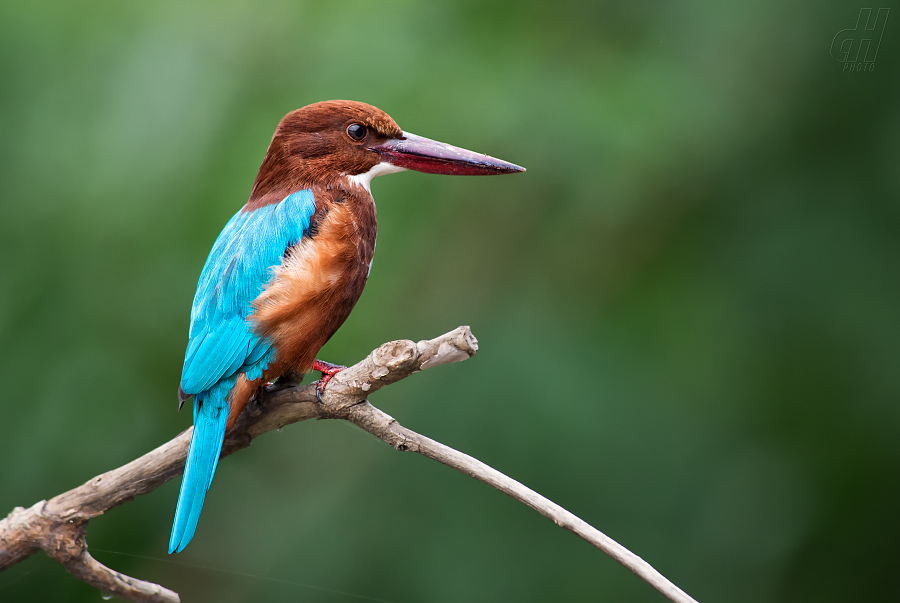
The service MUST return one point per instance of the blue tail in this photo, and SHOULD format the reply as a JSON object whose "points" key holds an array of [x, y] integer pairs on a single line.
{"points": [[210, 415]]}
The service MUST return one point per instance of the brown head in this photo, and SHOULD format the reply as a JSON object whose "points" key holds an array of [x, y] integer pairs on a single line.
{"points": [[322, 143]]}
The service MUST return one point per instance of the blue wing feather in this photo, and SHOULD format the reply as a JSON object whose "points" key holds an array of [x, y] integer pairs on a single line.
{"points": [[222, 344], [239, 266]]}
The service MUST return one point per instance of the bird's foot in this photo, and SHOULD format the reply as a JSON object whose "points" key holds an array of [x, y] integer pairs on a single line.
{"points": [[258, 400], [328, 371], [283, 382]]}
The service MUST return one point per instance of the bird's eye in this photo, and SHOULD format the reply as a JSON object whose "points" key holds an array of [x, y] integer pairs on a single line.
{"points": [[356, 131]]}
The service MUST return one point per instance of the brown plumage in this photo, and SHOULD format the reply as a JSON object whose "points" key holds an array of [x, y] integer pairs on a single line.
{"points": [[315, 288], [310, 148], [322, 276]]}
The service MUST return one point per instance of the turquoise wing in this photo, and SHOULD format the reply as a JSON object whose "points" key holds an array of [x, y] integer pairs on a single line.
{"points": [[221, 341]]}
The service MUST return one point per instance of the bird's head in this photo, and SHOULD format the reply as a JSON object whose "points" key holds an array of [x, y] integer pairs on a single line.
{"points": [[327, 141]]}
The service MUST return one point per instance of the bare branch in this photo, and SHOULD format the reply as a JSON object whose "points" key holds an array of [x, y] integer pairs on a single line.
{"points": [[386, 428], [58, 526]]}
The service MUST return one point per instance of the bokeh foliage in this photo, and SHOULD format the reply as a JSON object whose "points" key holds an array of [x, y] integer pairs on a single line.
{"points": [[688, 307]]}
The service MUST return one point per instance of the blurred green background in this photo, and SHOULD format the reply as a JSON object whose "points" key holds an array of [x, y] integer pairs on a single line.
{"points": [[688, 307]]}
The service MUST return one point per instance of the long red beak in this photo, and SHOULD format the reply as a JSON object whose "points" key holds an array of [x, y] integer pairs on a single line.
{"points": [[433, 157]]}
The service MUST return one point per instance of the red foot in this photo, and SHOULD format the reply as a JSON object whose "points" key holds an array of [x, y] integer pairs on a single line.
{"points": [[328, 371]]}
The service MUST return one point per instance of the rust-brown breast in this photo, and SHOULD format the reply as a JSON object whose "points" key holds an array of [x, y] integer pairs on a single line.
{"points": [[319, 280], [316, 286]]}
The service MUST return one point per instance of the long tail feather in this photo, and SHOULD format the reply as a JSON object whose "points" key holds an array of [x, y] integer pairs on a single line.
{"points": [[210, 416]]}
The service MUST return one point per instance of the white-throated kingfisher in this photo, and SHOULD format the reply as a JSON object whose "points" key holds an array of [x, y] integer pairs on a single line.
{"points": [[289, 266]]}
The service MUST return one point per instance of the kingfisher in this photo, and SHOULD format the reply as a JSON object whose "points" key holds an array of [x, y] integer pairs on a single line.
{"points": [[287, 269]]}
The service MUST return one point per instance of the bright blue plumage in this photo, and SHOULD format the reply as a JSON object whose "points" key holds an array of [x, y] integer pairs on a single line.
{"points": [[222, 344]]}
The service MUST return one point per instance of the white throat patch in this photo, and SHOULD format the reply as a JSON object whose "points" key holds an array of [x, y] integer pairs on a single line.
{"points": [[379, 169]]}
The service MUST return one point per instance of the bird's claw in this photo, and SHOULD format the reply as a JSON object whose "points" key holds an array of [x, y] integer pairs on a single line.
{"points": [[328, 371]]}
